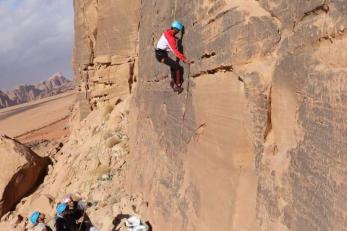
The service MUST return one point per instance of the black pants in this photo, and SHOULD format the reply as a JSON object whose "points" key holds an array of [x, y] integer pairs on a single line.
{"points": [[175, 67]]}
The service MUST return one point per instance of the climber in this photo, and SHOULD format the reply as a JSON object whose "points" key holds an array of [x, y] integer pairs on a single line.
{"points": [[135, 224], [38, 220], [166, 43]]}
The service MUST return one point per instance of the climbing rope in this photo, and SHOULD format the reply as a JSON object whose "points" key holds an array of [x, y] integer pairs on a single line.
{"points": [[187, 93], [175, 10], [84, 213]]}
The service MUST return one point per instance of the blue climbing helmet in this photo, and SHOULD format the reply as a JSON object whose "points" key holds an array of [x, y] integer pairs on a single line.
{"points": [[177, 25], [34, 217], [61, 208]]}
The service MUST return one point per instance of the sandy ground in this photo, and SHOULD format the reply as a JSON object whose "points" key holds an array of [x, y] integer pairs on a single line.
{"points": [[42, 119]]}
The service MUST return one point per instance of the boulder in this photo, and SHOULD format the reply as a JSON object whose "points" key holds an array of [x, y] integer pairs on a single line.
{"points": [[22, 171]]}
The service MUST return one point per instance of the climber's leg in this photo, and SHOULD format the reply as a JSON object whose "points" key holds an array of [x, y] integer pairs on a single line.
{"points": [[160, 55], [176, 70]]}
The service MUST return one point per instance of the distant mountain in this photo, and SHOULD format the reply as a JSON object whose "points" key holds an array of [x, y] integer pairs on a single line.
{"points": [[55, 84], [5, 101]]}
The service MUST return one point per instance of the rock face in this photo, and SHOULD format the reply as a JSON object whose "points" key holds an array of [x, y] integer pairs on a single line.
{"points": [[55, 84], [21, 172], [104, 54], [256, 140], [91, 165]]}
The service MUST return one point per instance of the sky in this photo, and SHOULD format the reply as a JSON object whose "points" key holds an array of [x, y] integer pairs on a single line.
{"points": [[36, 40]]}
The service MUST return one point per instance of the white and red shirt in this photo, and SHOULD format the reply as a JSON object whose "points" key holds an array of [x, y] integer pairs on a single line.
{"points": [[167, 42]]}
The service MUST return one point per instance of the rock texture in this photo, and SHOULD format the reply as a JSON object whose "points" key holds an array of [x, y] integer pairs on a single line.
{"points": [[55, 84], [105, 52], [90, 164], [256, 140], [21, 172]]}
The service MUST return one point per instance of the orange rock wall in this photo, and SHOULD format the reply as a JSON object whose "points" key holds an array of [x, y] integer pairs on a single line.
{"points": [[256, 139]]}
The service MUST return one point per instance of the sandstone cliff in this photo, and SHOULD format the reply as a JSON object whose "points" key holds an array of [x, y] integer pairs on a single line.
{"points": [[104, 54], [256, 140], [55, 84]]}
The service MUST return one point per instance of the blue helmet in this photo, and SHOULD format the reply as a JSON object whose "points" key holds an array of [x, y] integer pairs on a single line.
{"points": [[61, 208], [34, 217], [177, 25]]}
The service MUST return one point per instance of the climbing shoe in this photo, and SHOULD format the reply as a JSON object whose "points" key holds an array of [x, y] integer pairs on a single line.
{"points": [[178, 89]]}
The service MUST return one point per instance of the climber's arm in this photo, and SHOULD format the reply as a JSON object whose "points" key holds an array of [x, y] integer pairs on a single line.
{"points": [[172, 44]]}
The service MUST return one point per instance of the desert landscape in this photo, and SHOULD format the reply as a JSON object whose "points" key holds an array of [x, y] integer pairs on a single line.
{"points": [[41, 119], [55, 84], [254, 141]]}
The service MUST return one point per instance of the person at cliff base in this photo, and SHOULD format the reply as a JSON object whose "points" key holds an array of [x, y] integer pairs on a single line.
{"points": [[38, 220], [61, 224], [75, 209], [167, 43], [75, 213], [134, 223]]}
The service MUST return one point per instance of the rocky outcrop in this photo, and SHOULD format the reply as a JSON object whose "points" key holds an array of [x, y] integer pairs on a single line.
{"points": [[55, 84], [255, 141], [104, 54], [91, 165], [22, 171]]}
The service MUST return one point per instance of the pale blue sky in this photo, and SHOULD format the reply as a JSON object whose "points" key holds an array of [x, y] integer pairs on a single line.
{"points": [[36, 40]]}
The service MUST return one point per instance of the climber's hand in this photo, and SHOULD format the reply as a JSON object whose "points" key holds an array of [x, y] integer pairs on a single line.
{"points": [[187, 61]]}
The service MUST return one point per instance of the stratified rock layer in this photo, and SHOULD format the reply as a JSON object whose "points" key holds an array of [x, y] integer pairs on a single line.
{"points": [[21, 172], [104, 55], [256, 139]]}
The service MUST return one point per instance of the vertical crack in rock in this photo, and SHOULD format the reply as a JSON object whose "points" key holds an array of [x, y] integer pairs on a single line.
{"points": [[187, 95], [269, 120], [91, 44], [91, 40], [131, 79]]}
